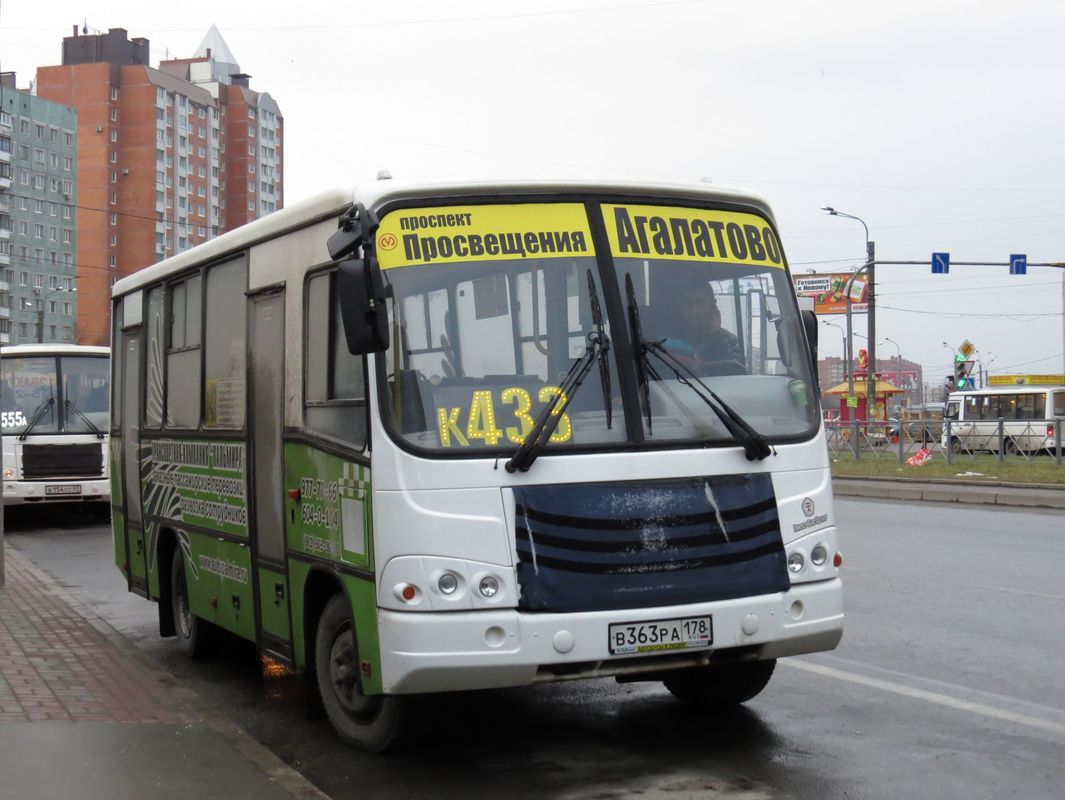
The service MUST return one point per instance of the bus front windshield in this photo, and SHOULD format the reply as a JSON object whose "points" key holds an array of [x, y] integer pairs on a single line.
{"points": [[491, 305], [46, 394]]}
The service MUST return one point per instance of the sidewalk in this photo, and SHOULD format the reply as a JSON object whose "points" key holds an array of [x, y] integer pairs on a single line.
{"points": [[85, 715], [987, 493]]}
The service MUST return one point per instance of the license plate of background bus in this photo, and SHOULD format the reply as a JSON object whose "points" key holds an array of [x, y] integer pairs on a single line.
{"points": [[63, 488], [661, 635]]}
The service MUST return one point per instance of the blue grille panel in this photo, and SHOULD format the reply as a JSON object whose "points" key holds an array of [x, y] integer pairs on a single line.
{"points": [[600, 546]]}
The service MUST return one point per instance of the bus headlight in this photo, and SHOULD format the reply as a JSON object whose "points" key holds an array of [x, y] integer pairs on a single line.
{"points": [[796, 562], [447, 583], [488, 586], [819, 555]]}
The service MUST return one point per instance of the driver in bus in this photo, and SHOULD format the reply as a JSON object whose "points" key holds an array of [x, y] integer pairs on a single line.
{"points": [[698, 338]]}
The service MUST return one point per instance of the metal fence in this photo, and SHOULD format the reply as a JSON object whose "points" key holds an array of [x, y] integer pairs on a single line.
{"points": [[1013, 440]]}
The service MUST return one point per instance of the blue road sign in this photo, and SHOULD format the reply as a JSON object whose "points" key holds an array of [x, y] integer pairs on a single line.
{"points": [[1018, 264], [940, 263]]}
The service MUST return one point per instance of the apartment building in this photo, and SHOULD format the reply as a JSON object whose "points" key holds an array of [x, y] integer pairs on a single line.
{"points": [[38, 215], [158, 172]]}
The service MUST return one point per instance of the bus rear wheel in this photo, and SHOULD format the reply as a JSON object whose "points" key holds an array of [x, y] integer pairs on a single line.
{"points": [[373, 723], [720, 688], [193, 633]]}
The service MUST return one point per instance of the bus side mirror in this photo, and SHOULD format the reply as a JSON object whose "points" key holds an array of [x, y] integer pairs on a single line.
{"points": [[809, 326], [361, 292]]}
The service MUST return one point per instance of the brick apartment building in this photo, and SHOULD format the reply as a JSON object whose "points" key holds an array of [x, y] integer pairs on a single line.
{"points": [[167, 158]]}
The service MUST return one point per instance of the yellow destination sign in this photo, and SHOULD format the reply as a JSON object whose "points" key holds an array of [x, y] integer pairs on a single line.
{"points": [[460, 234], [687, 234]]}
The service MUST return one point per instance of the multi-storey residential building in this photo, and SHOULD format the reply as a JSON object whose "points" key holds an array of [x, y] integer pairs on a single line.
{"points": [[38, 203], [156, 164], [252, 136]]}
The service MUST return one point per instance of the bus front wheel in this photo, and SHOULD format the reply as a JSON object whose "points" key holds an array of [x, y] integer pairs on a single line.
{"points": [[193, 633], [369, 722], [720, 688]]}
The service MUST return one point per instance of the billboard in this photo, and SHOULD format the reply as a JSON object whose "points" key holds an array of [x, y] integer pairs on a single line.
{"points": [[827, 291]]}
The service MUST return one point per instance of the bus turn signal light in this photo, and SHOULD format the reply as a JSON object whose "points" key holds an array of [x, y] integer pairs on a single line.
{"points": [[837, 562]]}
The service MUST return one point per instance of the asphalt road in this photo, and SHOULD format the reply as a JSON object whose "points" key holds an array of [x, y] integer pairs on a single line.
{"points": [[948, 684]]}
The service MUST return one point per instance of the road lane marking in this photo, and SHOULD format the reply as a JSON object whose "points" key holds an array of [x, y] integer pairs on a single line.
{"points": [[931, 697], [1029, 594]]}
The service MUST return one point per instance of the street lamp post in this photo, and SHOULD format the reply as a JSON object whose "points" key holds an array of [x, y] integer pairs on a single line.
{"points": [[41, 297], [869, 269], [898, 361]]}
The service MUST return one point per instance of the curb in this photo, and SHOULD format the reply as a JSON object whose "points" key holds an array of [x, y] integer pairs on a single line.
{"points": [[940, 491], [264, 759]]}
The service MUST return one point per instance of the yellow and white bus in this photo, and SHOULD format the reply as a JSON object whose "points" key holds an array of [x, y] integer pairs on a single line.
{"points": [[53, 408], [1014, 419], [415, 438]]}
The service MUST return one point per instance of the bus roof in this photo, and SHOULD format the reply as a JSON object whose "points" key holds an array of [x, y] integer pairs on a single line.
{"points": [[54, 350], [374, 194]]}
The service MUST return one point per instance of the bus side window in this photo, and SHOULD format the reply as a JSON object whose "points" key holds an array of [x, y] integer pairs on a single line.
{"points": [[153, 383], [182, 378], [1059, 404], [225, 358], [335, 392]]}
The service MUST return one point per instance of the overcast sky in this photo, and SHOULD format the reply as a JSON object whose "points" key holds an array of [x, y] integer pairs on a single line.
{"points": [[940, 124]]}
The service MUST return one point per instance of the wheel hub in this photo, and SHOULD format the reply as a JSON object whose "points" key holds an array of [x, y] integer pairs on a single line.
{"points": [[347, 683]]}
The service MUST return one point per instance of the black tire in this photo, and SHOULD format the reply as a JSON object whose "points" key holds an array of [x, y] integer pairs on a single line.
{"points": [[193, 634], [374, 723], [955, 445], [720, 688]]}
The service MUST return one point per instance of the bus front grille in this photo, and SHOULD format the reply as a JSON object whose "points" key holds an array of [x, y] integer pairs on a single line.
{"points": [[62, 461], [599, 546]]}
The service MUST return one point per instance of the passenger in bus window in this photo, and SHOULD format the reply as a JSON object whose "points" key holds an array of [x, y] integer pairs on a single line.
{"points": [[699, 339]]}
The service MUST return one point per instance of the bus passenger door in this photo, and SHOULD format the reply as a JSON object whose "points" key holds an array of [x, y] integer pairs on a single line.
{"points": [[267, 363], [131, 463]]}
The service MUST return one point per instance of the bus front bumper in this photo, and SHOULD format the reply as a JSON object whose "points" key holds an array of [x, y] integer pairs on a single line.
{"points": [[22, 492], [439, 652]]}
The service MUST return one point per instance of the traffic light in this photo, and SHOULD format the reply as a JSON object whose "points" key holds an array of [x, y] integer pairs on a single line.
{"points": [[961, 373]]}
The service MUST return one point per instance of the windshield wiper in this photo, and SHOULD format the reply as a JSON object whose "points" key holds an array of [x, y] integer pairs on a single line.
{"points": [[755, 445], [643, 365], [604, 348], [544, 427], [92, 425], [549, 418], [38, 413]]}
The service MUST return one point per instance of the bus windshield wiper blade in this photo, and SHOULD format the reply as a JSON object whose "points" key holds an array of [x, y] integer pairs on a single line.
{"points": [[643, 364], [548, 420], [37, 414], [755, 445], [92, 425], [604, 348]]}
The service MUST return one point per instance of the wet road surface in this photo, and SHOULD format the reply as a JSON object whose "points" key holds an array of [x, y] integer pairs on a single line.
{"points": [[948, 684]]}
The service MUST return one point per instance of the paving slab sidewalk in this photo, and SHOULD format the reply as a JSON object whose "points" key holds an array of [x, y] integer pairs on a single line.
{"points": [[84, 714]]}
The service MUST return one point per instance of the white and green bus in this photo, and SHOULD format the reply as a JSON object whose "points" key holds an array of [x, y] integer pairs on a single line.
{"points": [[418, 438], [53, 409]]}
